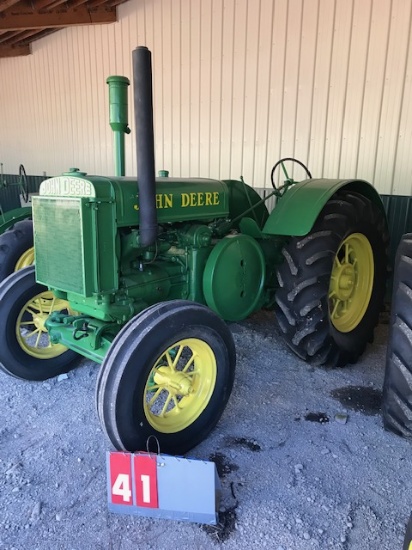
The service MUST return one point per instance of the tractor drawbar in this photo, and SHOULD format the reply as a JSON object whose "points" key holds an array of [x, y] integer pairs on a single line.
{"points": [[143, 112]]}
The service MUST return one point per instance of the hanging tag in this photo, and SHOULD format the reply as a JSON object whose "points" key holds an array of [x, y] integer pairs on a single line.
{"points": [[120, 476], [162, 486], [145, 479]]}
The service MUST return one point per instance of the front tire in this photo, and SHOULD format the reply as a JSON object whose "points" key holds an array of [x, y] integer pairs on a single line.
{"points": [[397, 386], [26, 351], [168, 373], [16, 248], [332, 282]]}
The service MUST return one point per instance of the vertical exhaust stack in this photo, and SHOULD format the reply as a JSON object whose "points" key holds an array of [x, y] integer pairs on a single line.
{"points": [[143, 112]]}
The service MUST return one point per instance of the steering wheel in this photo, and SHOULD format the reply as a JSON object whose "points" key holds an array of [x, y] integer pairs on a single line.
{"points": [[280, 163], [23, 184]]}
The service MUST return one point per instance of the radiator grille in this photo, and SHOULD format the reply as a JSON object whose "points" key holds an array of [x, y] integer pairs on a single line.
{"points": [[59, 246]]}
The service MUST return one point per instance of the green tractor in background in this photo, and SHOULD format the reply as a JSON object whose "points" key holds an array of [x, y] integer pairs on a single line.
{"points": [[145, 275], [16, 226]]}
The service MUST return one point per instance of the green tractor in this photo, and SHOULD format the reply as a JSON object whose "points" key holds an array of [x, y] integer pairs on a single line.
{"points": [[16, 227], [142, 277]]}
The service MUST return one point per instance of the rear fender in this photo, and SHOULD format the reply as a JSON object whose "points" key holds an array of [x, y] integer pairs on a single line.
{"points": [[297, 210], [8, 219]]}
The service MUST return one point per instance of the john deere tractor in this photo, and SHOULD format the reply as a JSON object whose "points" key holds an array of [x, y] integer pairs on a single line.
{"points": [[141, 277], [16, 227]]}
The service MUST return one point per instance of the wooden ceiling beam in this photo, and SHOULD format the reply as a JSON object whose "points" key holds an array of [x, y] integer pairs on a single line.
{"points": [[23, 20], [14, 51], [6, 4]]}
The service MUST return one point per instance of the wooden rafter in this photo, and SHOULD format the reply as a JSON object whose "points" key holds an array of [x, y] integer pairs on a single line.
{"points": [[14, 51], [56, 18], [24, 21], [6, 4]]}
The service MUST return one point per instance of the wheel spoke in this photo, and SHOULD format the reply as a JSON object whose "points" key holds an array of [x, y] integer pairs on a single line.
{"points": [[32, 333], [164, 408], [156, 395], [178, 354], [347, 252], [335, 308], [36, 345], [189, 363], [170, 363]]}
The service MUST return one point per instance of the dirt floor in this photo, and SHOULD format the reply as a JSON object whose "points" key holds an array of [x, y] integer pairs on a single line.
{"points": [[302, 455]]}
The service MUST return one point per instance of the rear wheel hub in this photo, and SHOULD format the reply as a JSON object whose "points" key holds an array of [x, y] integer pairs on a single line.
{"points": [[351, 282]]}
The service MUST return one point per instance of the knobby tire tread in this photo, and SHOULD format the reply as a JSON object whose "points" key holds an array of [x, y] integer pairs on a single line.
{"points": [[13, 243], [302, 311], [397, 387]]}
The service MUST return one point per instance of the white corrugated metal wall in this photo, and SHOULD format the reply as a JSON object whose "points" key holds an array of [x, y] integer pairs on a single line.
{"points": [[237, 84]]}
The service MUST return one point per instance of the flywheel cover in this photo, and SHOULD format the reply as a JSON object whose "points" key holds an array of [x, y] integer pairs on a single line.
{"points": [[234, 276]]}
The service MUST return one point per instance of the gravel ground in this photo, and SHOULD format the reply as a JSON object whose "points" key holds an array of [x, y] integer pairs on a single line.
{"points": [[303, 458]]}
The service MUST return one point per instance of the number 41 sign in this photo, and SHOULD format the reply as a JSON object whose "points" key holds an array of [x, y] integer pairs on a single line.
{"points": [[162, 486], [143, 480]]}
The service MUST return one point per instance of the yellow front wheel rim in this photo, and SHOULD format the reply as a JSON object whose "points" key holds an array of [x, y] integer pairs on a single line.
{"points": [[31, 332], [26, 259], [180, 385], [351, 282]]}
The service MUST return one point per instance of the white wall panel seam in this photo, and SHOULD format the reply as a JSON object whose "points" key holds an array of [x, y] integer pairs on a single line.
{"points": [[382, 91], [329, 91], [313, 85], [401, 105], [346, 89]]}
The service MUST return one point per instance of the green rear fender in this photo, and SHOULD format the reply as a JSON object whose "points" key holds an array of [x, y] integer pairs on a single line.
{"points": [[296, 212], [8, 219]]}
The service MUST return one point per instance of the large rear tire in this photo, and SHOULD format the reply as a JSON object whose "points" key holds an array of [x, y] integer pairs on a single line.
{"points": [[168, 373], [332, 282], [16, 248], [26, 351], [397, 386]]}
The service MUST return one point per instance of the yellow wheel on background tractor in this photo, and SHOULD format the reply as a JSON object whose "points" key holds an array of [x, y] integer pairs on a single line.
{"points": [[26, 351], [26, 259], [168, 373]]}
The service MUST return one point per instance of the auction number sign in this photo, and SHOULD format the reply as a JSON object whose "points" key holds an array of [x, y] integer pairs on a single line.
{"points": [[133, 480]]}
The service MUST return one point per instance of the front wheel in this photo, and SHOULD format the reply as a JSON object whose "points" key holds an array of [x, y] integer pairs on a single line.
{"points": [[332, 282], [26, 351], [168, 373]]}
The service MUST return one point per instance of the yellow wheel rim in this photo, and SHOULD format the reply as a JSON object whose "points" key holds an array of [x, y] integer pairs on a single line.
{"points": [[26, 259], [31, 332], [351, 282], [180, 385]]}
